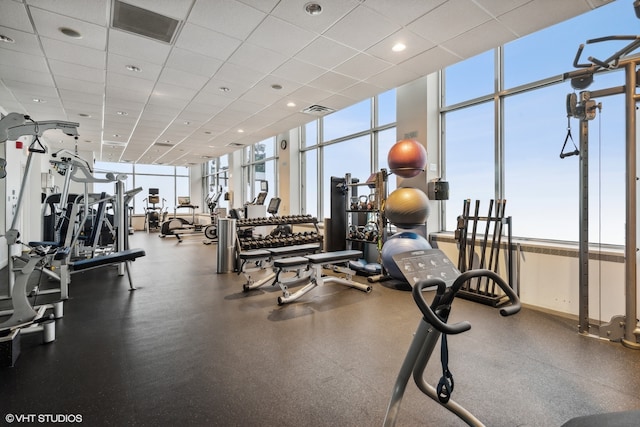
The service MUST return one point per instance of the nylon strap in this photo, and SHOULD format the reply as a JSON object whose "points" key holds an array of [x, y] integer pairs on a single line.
{"points": [[445, 386]]}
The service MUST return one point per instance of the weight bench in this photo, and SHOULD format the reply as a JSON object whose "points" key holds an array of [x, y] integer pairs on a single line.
{"points": [[261, 259], [313, 264], [125, 256]]}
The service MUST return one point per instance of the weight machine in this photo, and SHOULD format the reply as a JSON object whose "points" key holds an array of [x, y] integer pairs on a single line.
{"points": [[583, 107]]}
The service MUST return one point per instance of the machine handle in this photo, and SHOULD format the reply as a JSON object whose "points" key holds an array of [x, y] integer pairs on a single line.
{"points": [[456, 328]]}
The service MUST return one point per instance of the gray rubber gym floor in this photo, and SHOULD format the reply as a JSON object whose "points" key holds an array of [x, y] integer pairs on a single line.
{"points": [[190, 348]]}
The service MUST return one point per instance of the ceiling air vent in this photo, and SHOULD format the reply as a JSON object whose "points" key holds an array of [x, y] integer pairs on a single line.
{"points": [[318, 110], [163, 144], [115, 143], [235, 144], [143, 22]]}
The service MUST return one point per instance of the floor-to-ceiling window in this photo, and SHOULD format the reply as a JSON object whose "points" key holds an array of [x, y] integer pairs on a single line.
{"points": [[259, 170], [216, 181], [504, 130]]}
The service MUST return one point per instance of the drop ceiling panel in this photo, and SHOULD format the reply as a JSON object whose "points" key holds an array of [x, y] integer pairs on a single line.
{"points": [[262, 5], [408, 12], [433, 60], [361, 29], [83, 86], [499, 7], [534, 15], [438, 26], [48, 24], [476, 41], [206, 42], [332, 82], [182, 59], [8, 72], [226, 16], [14, 15], [362, 66], [414, 45], [332, 10], [74, 96], [182, 78], [24, 42], [298, 71], [73, 53], [117, 64], [257, 58], [137, 47], [325, 53], [76, 71], [23, 60], [134, 84], [91, 11], [176, 9], [288, 38]]}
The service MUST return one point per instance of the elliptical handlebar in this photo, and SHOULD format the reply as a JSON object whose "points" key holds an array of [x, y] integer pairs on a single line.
{"points": [[432, 318]]}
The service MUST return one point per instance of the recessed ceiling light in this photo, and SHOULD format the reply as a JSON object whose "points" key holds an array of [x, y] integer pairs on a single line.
{"points": [[38, 100], [133, 68], [84, 115], [276, 86], [398, 47], [122, 113], [115, 135], [186, 122], [313, 8], [207, 132], [70, 32], [291, 104], [224, 89], [240, 130], [6, 39]]}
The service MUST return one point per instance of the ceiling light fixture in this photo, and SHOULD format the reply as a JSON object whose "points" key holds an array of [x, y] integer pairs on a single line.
{"points": [[84, 115], [70, 32], [313, 8], [291, 104], [224, 89], [276, 86], [133, 68], [122, 113], [398, 47], [240, 130], [38, 100], [6, 39]]}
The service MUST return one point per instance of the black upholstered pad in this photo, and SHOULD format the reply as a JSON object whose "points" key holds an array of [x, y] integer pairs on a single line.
{"points": [[255, 253], [126, 255], [291, 262], [295, 249], [328, 257]]}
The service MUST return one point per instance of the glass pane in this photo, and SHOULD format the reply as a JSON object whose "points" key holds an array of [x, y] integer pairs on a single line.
{"points": [[113, 167], [387, 107], [268, 148], [525, 60], [386, 139], [224, 161], [352, 156], [310, 134], [347, 121], [165, 185], [154, 169], [212, 166], [182, 170], [310, 185], [470, 79], [470, 159]]}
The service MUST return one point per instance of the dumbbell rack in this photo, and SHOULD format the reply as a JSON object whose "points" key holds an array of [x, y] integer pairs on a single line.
{"points": [[247, 241]]}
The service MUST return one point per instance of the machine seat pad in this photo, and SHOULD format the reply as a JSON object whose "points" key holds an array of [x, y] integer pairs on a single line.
{"points": [[291, 262], [126, 255], [338, 256], [45, 243], [295, 249], [254, 254]]}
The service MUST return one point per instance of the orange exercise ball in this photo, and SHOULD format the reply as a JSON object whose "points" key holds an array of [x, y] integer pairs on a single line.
{"points": [[407, 158]]}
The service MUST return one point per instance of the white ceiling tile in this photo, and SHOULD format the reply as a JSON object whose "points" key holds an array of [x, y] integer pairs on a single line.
{"points": [[362, 90], [325, 53], [134, 84], [479, 39], [23, 60], [406, 12], [308, 94], [90, 11], [262, 5], [298, 71], [431, 60], [8, 72], [337, 102], [76, 71], [125, 94], [239, 76], [171, 92], [182, 78], [333, 82], [396, 76], [362, 66], [226, 16], [14, 15], [24, 42], [361, 29], [414, 45], [118, 64], [48, 24], [182, 59], [137, 47], [206, 42], [74, 96], [535, 15], [46, 92], [257, 58], [499, 7], [438, 26], [69, 52], [332, 10], [281, 36], [83, 86]]}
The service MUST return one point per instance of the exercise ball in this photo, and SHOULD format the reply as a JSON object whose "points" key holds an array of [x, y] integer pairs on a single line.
{"points": [[397, 244], [407, 206], [407, 158]]}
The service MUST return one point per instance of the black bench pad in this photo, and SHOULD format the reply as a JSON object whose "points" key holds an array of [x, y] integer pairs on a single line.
{"points": [[291, 262], [286, 250], [328, 257], [255, 253], [126, 255]]}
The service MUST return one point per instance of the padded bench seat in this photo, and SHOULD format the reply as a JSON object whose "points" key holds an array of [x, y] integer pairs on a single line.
{"points": [[122, 256], [291, 262], [295, 249], [329, 257], [254, 254]]}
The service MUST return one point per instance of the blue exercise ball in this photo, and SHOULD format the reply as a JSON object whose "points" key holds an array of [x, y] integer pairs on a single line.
{"points": [[398, 243]]}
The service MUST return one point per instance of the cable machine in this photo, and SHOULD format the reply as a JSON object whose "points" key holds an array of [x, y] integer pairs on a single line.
{"points": [[583, 106]]}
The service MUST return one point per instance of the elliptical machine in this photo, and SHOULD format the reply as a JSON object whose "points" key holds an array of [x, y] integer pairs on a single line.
{"points": [[432, 326]]}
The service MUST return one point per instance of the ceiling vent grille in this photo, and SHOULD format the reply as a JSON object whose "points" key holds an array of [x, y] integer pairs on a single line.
{"points": [[115, 143], [164, 144], [143, 22], [318, 110], [235, 144]]}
